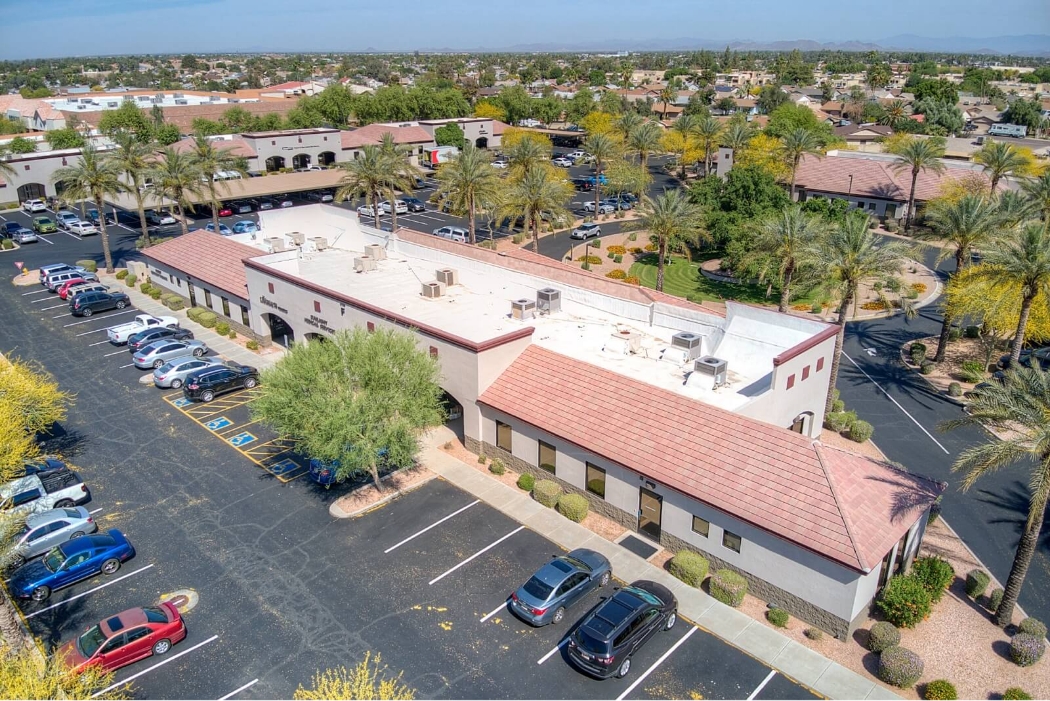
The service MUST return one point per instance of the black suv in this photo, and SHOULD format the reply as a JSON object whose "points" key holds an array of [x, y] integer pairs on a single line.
{"points": [[603, 643], [148, 336], [205, 385], [88, 303]]}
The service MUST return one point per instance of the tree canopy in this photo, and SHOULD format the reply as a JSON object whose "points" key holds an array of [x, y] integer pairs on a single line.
{"points": [[449, 135]]}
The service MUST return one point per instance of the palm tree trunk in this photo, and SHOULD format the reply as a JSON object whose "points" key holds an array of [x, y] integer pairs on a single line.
{"points": [[1022, 559], [1022, 325], [534, 222], [471, 212], [662, 252], [707, 159], [847, 299], [9, 628], [785, 292], [393, 210], [182, 215], [911, 200], [375, 208], [214, 206], [995, 183], [142, 215], [961, 254], [791, 192], [104, 235]]}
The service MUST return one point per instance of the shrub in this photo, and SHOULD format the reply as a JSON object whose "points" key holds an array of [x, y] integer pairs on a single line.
{"points": [[911, 294], [955, 390], [976, 582], [633, 236], [883, 635], [586, 266], [497, 467], [778, 617], [891, 226], [194, 313], [486, 244], [593, 260], [166, 297], [900, 667], [1026, 649], [222, 328], [940, 689], [689, 567], [616, 274], [935, 574], [954, 333], [837, 405], [231, 334], [617, 250], [610, 255], [876, 306], [596, 243], [972, 370], [207, 319], [154, 292], [573, 507], [518, 238], [728, 587], [7, 244], [175, 303], [547, 492], [122, 273], [130, 280], [860, 431], [632, 280], [144, 287], [927, 368], [618, 258], [651, 247], [873, 224], [526, 482], [972, 332], [637, 250], [837, 421], [918, 287], [813, 633], [917, 350], [836, 394], [88, 265], [482, 459], [1032, 626], [1016, 693], [994, 599], [904, 601], [251, 344]]}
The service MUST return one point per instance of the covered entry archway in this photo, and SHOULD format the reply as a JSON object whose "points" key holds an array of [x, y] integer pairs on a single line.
{"points": [[301, 160], [482, 142], [325, 158], [453, 413], [281, 333], [274, 163], [311, 337], [31, 191]]}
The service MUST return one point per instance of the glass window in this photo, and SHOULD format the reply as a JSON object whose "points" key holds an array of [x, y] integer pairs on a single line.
{"points": [[701, 527], [548, 458], [731, 541], [225, 307], [596, 480], [113, 644], [503, 434], [244, 316], [207, 298], [137, 634]]}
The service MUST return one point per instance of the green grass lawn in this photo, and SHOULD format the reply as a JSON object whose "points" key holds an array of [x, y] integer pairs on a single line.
{"points": [[682, 278]]}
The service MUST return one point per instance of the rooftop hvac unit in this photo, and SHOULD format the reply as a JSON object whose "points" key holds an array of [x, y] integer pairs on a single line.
{"points": [[298, 238], [433, 290], [376, 251], [276, 244], [690, 342], [548, 300], [709, 372], [522, 309], [364, 264], [450, 277], [182, 102], [320, 243]]}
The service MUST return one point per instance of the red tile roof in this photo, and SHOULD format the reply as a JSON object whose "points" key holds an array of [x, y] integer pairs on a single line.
{"points": [[845, 507], [293, 85], [213, 259], [872, 178], [373, 134], [236, 146]]}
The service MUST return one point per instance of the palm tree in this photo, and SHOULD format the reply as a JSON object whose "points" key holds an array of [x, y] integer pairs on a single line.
{"points": [[781, 247], [894, 114], [708, 130], [176, 178], [798, 143], [668, 94], [1014, 207], [918, 155], [686, 124], [628, 122], [524, 155], [966, 224], [1020, 405], [367, 176], [672, 219], [736, 135], [999, 160], [1037, 190], [534, 194], [603, 148], [212, 163], [135, 160], [644, 139], [849, 255], [469, 181], [402, 174], [94, 178]]}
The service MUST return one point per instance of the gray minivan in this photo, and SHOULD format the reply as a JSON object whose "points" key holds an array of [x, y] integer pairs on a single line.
{"points": [[56, 280], [46, 270]]}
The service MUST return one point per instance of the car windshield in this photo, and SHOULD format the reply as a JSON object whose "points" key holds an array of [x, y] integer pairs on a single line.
{"points": [[644, 595], [91, 641], [538, 589], [54, 559]]}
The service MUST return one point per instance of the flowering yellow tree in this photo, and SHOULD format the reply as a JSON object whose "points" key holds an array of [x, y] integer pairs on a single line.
{"points": [[487, 110], [997, 305], [598, 123], [684, 148], [513, 135], [30, 403], [25, 675], [365, 682], [765, 152]]}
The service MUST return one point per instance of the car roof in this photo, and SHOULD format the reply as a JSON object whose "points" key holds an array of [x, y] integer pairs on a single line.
{"points": [[122, 621], [79, 545], [554, 572], [39, 519]]}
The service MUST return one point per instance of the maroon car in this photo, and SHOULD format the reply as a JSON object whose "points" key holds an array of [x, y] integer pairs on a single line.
{"points": [[128, 637]]}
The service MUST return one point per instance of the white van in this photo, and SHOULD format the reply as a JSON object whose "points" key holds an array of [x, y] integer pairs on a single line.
{"points": [[452, 233]]}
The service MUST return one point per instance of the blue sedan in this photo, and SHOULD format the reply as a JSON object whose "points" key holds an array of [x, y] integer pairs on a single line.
{"points": [[560, 584], [245, 226], [71, 562]]}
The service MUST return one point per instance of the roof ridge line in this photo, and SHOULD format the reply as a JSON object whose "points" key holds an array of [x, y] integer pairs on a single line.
{"points": [[838, 503]]}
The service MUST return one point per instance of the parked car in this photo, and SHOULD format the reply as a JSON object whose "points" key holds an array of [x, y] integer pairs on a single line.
{"points": [[88, 303], [605, 640], [366, 210], [34, 206], [241, 207], [559, 585], [582, 184], [156, 217], [63, 289], [71, 562], [207, 384], [617, 203], [263, 203], [43, 491], [93, 217], [576, 156], [158, 333], [66, 218], [283, 201], [47, 270], [602, 207], [452, 233], [245, 226], [320, 195], [56, 280], [120, 334], [414, 204], [24, 235], [562, 162], [173, 373], [45, 464], [500, 163], [9, 228], [82, 229], [223, 229], [586, 231], [399, 206], [154, 355], [130, 636], [46, 529], [44, 225], [73, 291], [1040, 354]]}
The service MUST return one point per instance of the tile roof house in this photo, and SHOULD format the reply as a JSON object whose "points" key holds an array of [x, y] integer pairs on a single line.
{"points": [[217, 261], [862, 133], [373, 133]]}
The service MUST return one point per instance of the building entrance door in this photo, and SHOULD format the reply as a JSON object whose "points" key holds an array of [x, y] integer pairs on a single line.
{"points": [[650, 508]]}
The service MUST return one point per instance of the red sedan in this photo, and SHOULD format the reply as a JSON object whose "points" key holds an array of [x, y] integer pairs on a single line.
{"points": [[225, 211], [128, 637], [63, 291]]}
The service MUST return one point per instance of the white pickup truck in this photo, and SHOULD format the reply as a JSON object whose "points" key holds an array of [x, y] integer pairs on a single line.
{"points": [[121, 334]]}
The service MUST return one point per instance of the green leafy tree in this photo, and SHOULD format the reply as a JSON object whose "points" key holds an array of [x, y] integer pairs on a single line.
{"points": [[372, 394], [672, 221], [726, 105], [644, 140], [95, 177], [770, 97], [59, 139], [136, 161], [22, 145], [781, 247], [579, 105], [207, 127], [470, 182], [915, 156], [790, 117], [534, 194], [1019, 405], [940, 90], [1027, 113], [449, 135], [516, 103], [128, 118], [176, 178], [167, 134], [797, 144], [1000, 160], [215, 164], [604, 148]]}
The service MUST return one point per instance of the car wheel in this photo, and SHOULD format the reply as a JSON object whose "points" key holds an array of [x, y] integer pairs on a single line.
{"points": [[175, 384], [161, 646], [87, 311], [207, 396], [559, 615], [198, 352], [121, 304], [110, 566], [64, 504], [41, 593], [78, 534], [158, 363], [250, 382], [625, 668], [604, 581], [671, 620]]}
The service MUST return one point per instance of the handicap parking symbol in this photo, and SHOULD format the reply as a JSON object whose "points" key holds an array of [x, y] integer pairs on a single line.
{"points": [[181, 402], [218, 424], [242, 439], [283, 467]]}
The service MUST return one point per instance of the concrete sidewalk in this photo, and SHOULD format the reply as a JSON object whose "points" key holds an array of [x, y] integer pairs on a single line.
{"points": [[765, 644]]}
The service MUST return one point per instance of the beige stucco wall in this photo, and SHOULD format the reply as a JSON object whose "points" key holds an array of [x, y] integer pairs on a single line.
{"points": [[290, 146]]}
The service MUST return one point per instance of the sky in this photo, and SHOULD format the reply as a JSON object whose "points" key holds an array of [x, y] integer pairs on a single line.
{"points": [[58, 28]]}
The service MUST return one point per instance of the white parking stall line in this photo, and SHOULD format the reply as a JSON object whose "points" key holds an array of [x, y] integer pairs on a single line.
{"points": [[129, 365], [475, 555], [239, 690], [34, 292], [122, 350], [43, 299], [166, 660], [551, 654], [72, 236], [772, 673], [89, 591], [656, 664], [90, 319], [56, 306], [97, 343], [494, 611], [433, 525], [57, 316], [92, 513], [41, 237]]}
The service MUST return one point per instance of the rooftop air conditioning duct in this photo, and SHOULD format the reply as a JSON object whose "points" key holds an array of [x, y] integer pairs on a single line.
{"points": [[450, 277], [433, 290], [522, 309], [320, 243], [376, 251], [691, 343], [364, 264], [708, 373], [298, 238], [276, 244], [548, 300]]}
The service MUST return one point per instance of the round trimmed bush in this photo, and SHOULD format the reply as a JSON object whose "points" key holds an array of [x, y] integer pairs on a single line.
{"points": [[904, 601], [145, 287], [728, 587], [955, 390], [222, 328], [596, 243], [176, 304], [1016, 693], [88, 265], [547, 492], [936, 575], [194, 313], [972, 332], [689, 567], [837, 405], [994, 599], [1026, 649], [941, 690], [900, 667], [130, 280], [837, 421], [251, 344], [883, 635], [616, 274], [154, 292], [1032, 626], [813, 633], [918, 351], [232, 334], [860, 431], [573, 507], [778, 617], [976, 582], [927, 368], [526, 482], [122, 273], [497, 467], [207, 319], [7, 244]]}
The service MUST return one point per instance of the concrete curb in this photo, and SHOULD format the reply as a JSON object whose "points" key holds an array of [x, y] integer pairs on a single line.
{"points": [[336, 512]]}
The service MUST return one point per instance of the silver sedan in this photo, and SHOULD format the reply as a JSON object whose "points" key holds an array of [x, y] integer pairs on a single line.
{"points": [[174, 372], [559, 584], [48, 529], [157, 353]]}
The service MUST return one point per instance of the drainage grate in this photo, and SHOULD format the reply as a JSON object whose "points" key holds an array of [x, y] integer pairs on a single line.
{"points": [[638, 546]]}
